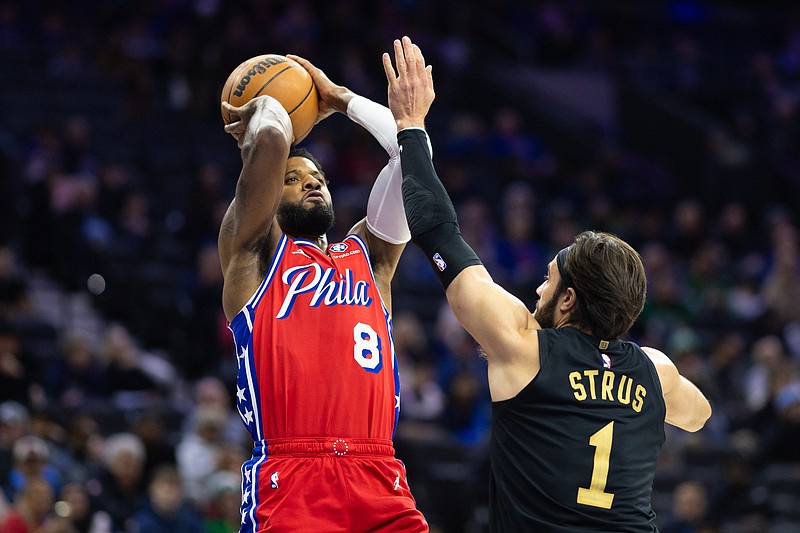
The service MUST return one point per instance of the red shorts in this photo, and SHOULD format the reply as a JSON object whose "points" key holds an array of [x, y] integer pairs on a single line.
{"points": [[327, 485]]}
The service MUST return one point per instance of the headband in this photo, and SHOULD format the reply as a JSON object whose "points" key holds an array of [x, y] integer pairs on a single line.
{"points": [[560, 260]]}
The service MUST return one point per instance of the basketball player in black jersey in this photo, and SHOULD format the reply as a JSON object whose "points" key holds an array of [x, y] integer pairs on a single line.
{"points": [[577, 414]]}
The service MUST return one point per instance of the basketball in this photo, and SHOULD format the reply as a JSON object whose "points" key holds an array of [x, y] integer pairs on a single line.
{"points": [[280, 77]]}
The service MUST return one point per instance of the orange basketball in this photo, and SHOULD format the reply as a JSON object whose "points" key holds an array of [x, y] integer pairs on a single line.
{"points": [[280, 77]]}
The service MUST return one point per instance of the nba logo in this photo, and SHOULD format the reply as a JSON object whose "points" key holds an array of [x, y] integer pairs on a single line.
{"points": [[273, 480], [606, 360], [338, 247], [439, 261]]}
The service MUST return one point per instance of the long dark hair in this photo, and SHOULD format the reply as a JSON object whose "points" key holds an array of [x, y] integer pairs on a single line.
{"points": [[610, 283]]}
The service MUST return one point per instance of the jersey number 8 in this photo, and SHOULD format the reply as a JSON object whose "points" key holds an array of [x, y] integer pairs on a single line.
{"points": [[367, 349]]}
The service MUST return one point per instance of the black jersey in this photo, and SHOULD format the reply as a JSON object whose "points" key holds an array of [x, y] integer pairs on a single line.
{"points": [[576, 449]]}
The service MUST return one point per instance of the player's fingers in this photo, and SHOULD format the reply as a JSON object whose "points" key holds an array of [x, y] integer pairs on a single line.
{"points": [[233, 111], [399, 58], [306, 64], [391, 77], [303, 61], [234, 127], [408, 52], [419, 59], [429, 74]]}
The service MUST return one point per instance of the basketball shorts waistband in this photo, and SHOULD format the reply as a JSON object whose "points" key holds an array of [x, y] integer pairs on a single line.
{"points": [[333, 446]]}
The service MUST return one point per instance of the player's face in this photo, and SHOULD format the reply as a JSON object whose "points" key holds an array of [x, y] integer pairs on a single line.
{"points": [[545, 310], [306, 208], [304, 184]]}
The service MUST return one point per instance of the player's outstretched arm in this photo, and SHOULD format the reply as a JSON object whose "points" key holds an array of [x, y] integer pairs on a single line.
{"points": [[495, 318], [687, 407]]}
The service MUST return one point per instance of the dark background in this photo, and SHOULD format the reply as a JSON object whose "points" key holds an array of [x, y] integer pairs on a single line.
{"points": [[672, 124]]}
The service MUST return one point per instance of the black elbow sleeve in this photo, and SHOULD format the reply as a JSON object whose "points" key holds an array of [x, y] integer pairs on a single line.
{"points": [[430, 212]]}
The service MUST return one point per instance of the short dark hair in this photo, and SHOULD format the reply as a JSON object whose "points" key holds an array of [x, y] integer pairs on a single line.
{"points": [[303, 152], [610, 282]]}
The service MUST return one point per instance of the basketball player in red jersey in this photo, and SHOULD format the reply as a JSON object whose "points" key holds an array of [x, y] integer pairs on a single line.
{"points": [[318, 385]]}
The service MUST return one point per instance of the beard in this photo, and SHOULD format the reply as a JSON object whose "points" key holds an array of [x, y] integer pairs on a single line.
{"points": [[546, 314], [296, 220]]}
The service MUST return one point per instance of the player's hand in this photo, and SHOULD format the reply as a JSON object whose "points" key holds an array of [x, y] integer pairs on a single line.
{"points": [[263, 110], [332, 97], [411, 87]]}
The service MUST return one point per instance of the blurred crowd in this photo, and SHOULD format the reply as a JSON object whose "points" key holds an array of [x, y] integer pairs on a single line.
{"points": [[116, 416]]}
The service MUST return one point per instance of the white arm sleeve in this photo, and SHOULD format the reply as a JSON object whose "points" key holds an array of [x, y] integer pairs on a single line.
{"points": [[386, 217]]}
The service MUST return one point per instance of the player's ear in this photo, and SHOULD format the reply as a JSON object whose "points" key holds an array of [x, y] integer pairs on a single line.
{"points": [[569, 299]]}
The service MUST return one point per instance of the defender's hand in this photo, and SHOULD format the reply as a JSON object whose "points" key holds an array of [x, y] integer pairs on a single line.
{"points": [[411, 87]]}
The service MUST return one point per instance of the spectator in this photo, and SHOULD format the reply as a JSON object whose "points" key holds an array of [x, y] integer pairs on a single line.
{"points": [[166, 509], [199, 451], [159, 444], [31, 461], [81, 513], [135, 378], [77, 377], [781, 443], [211, 392], [222, 510], [17, 377], [689, 509], [118, 487], [14, 424], [83, 448], [31, 512]]}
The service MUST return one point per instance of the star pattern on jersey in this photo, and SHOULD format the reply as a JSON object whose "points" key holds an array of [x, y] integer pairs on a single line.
{"points": [[246, 494], [242, 355], [243, 400], [397, 401]]}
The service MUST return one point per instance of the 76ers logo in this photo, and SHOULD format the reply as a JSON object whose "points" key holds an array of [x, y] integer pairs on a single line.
{"points": [[339, 247]]}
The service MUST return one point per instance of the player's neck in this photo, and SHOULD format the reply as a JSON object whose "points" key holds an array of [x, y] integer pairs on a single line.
{"points": [[321, 241]]}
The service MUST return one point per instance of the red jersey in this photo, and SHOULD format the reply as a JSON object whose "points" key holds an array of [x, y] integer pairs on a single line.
{"points": [[314, 347]]}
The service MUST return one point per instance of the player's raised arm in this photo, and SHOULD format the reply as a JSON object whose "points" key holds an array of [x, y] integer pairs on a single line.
{"points": [[264, 134], [496, 319]]}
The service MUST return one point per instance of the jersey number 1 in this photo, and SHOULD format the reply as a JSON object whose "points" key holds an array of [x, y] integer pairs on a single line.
{"points": [[596, 494]]}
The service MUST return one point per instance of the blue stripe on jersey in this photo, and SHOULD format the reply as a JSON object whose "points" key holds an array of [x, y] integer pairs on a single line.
{"points": [[273, 266], [396, 369], [247, 391], [388, 318], [250, 496]]}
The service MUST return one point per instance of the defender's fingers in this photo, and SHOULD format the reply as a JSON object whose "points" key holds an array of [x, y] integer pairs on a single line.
{"points": [[399, 58], [419, 58], [411, 58], [391, 77]]}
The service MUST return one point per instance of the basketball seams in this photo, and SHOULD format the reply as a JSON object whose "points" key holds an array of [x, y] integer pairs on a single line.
{"points": [[234, 77], [303, 113], [308, 93], [310, 90], [258, 93]]}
